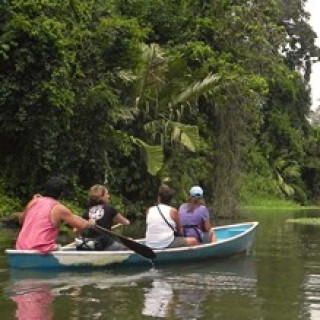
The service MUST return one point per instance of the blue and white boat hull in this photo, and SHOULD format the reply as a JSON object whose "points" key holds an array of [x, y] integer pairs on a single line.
{"points": [[231, 239]]}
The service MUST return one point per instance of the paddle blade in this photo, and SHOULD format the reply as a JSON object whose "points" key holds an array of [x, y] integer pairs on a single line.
{"points": [[138, 248]]}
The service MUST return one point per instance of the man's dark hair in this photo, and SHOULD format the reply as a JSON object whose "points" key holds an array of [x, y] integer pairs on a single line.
{"points": [[166, 194], [54, 188]]}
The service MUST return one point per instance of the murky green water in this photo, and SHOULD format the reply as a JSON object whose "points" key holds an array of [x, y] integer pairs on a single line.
{"points": [[279, 280]]}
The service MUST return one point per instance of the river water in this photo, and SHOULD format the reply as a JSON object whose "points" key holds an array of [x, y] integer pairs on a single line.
{"points": [[279, 279]]}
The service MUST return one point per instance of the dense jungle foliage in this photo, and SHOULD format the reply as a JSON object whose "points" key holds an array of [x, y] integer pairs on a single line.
{"points": [[133, 93]]}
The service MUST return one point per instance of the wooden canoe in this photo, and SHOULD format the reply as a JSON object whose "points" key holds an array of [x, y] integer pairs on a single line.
{"points": [[231, 239]]}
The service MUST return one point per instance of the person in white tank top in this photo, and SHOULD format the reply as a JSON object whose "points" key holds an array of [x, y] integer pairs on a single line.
{"points": [[163, 223]]}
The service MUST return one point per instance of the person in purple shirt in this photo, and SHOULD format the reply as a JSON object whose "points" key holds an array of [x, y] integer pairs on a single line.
{"points": [[194, 216]]}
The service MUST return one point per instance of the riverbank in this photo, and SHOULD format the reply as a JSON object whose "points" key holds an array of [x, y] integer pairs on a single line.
{"points": [[272, 203], [10, 207]]}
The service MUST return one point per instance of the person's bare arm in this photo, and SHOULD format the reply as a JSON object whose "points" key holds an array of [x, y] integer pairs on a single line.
{"points": [[119, 218], [175, 217], [207, 226], [61, 213]]}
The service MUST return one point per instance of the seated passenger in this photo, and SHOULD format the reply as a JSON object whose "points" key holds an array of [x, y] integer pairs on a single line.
{"points": [[42, 217], [194, 217], [103, 215], [163, 224]]}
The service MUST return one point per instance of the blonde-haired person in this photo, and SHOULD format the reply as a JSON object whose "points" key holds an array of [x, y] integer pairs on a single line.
{"points": [[194, 216], [105, 216]]}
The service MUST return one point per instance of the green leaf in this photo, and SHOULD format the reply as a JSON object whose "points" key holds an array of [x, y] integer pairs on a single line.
{"points": [[153, 155], [196, 89], [187, 135]]}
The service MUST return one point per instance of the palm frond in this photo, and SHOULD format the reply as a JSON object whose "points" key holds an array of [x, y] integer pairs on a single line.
{"points": [[292, 171], [196, 89], [279, 163], [151, 74], [187, 135], [286, 188]]}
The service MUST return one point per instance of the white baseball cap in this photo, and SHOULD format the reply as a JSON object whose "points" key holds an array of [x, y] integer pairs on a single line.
{"points": [[196, 192]]}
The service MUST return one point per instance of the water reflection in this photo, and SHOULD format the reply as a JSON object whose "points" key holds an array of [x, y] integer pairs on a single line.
{"points": [[280, 281], [43, 295], [312, 300], [33, 300], [159, 293], [189, 305], [158, 299], [183, 295], [161, 301]]}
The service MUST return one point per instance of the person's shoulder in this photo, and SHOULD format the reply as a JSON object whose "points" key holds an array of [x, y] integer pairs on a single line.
{"points": [[183, 206], [61, 207], [149, 209], [203, 208], [174, 212], [33, 201], [109, 208], [60, 212]]}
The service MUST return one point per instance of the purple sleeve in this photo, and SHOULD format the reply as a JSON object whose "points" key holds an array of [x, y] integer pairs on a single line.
{"points": [[183, 209], [205, 213]]}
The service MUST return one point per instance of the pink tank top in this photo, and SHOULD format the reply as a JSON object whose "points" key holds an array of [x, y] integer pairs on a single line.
{"points": [[38, 232]]}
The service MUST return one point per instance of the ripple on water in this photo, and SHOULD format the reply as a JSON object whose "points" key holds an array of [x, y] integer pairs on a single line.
{"points": [[223, 282], [312, 292]]}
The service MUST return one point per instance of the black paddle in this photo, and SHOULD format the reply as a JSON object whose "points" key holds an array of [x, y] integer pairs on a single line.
{"points": [[131, 244], [73, 244]]}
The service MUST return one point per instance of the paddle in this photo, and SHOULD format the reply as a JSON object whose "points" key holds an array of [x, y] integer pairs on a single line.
{"points": [[131, 244], [72, 244]]}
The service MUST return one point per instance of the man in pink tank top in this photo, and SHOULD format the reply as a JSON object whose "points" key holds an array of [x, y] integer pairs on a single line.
{"points": [[41, 219]]}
